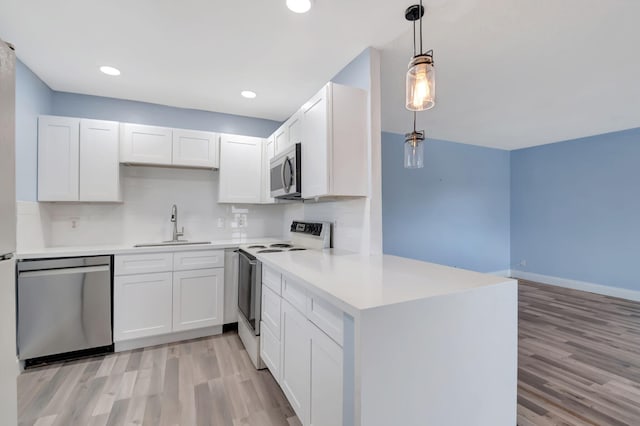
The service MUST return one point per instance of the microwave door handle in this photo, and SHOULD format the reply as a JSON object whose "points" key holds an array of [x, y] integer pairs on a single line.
{"points": [[284, 183]]}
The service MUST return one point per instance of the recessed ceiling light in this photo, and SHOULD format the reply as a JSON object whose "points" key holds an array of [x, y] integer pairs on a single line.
{"points": [[248, 94], [299, 6], [110, 70]]}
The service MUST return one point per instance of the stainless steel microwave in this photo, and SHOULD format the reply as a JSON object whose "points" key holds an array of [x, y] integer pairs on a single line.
{"points": [[286, 174]]}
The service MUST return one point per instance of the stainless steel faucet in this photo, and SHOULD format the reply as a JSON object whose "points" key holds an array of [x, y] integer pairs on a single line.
{"points": [[174, 219]]}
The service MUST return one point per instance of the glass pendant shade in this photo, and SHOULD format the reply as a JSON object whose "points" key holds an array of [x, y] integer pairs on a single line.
{"points": [[414, 150], [421, 84]]}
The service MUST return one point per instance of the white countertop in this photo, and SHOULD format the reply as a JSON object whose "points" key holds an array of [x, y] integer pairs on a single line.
{"points": [[355, 283], [50, 252]]}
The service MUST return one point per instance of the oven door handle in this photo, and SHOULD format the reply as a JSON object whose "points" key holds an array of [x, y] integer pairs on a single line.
{"points": [[250, 261]]}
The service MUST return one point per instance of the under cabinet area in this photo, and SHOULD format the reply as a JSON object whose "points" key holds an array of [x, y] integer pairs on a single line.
{"points": [[78, 160], [161, 293], [301, 344]]}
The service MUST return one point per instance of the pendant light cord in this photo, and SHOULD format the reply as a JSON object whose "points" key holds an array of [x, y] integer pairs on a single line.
{"points": [[421, 13], [414, 38]]}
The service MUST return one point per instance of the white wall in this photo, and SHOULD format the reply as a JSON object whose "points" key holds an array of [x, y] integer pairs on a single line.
{"points": [[148, 194]]}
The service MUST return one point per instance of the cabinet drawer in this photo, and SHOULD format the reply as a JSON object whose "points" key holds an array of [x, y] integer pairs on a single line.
{"points": [[143, 263], [201, 259], [270, 351], [294, 293], [272, 279], [326, 317], [271, 305]]}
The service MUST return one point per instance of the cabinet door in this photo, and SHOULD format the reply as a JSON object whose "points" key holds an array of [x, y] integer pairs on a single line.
{"points": [[142, 305], [296, 360], [145, 144], [198, 298], [270, 351], [326, 380], [58, 158], [240, 169], [99, 161], [230, 286], [281, 139], [195, 149], [315, 146], [294, 128], [268, 153]]}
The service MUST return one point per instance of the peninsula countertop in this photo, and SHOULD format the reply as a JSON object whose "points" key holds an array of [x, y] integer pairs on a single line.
{"points": [[356, 282]]}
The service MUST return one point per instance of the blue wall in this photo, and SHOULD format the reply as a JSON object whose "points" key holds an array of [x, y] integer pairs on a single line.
{"points": [[34, 98], [87, 106], [575, 209], [356, 73], [454, 211]]}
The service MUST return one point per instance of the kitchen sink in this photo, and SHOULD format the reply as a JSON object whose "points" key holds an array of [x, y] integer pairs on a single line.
{"points": [[173, 243]]}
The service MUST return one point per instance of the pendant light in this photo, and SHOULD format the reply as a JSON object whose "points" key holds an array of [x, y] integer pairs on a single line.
{"points": [[421, 89], [413, 148]]}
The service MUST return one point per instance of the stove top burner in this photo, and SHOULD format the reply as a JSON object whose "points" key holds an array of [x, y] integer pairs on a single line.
{"points": [[257, 247], [297, 249], [270, 251], [281, 245]]}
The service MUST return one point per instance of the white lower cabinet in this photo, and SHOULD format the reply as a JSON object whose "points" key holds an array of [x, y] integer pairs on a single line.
{"points": [[296, 356], [154, 296], [326, 380], [142, 305], [198, 298], [300, 342]]}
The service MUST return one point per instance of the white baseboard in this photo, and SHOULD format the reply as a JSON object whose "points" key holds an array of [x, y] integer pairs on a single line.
{"points": [[144, 342], [504, 273], [622, 293]]}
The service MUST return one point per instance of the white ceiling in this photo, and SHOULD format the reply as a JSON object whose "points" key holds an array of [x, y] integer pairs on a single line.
{"points": [[510, 74], [197, 53]]}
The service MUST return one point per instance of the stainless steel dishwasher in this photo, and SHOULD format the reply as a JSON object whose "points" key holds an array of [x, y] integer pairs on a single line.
{"points": [[64, 307]]}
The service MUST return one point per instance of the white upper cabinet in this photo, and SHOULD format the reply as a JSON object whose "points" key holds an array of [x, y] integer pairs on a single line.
{"points": [[281, 138], [268, 153], [145, 144], [195, 149], [240, 169], [58, 158], [294, 128], [334, 143], [99, 161], [78, 160]]}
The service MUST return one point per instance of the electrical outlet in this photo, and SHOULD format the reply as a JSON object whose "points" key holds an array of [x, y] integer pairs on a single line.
{"points": [[74, 222], [221, 222], [523, 262]]}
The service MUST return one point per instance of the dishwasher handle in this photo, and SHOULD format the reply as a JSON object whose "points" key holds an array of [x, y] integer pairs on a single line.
{"points": [[64, 271]]}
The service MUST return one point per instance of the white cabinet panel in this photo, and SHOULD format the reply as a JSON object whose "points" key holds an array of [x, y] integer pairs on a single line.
{"points": [[145, 144], [315, 149], [240, 169], [294, 128], [99, 161], [296, 357], [198, 298], [127, 264], [268, 153], [294, 293], [270, 351], [200, 259], [327, 317], [271, 308], [142, 305], [272, 279], [334, 143], [195, 149], [230, 286], [326, 380], [281, 139], [58, 158]]}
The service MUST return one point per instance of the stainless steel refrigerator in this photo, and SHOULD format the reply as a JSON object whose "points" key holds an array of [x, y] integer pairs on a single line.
{"points": [[8, 359]]}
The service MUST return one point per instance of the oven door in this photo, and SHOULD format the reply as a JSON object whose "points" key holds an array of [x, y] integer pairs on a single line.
{"points": [[250, 289]]}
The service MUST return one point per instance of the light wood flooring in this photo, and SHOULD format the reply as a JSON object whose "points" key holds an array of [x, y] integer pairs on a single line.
{"points": [[579, 358], [579, 364], [208, 381]]}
